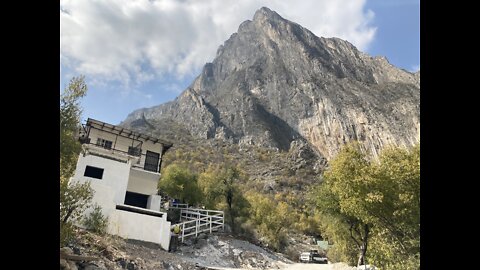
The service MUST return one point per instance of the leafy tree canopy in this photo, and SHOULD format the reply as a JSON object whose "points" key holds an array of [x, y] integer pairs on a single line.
{"points": [[178, 182], [365, 201]]}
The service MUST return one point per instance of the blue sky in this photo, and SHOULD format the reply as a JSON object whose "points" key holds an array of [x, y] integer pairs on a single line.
{"points": [[398, 32], [142, 53]]}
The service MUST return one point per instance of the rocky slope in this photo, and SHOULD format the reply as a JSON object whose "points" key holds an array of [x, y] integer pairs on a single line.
{"points": [[219, 251], [268, 170], [274, 82], [93, 252]]}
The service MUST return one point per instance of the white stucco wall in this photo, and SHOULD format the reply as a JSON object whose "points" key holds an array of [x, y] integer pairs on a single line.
{"points": [[143, 182], [110, 192], [154, 202], [118, 177], [140, 227], [115, 174], [104, 196]]}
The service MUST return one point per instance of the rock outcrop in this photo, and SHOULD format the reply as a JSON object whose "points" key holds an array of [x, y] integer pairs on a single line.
{"points": [[275, 82]]}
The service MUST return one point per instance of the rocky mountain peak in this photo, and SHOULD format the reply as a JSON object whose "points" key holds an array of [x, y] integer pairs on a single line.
{"points": [[264, 13], [274, 82]]}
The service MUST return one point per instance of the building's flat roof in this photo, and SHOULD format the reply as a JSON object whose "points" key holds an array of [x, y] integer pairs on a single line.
{"points": [[125, 132]]}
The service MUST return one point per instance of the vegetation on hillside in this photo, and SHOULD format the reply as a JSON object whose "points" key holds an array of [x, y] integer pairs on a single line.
{"points": [[223, 168], [180, 183], [221, 190], [271, 218], [368, 210], [96, 222]]}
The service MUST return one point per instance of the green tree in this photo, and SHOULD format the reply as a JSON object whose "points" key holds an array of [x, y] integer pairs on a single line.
{"points": [[346, 186], [178, 182], [272, 219], [395, 209], [221, 191], [74, 197], [374, 202], [227, 190], [70, 112], [209, 183]]}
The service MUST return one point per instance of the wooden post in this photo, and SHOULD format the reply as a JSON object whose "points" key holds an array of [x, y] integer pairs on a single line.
{"points": [[183, 231], [210, 224], [196, 227]]}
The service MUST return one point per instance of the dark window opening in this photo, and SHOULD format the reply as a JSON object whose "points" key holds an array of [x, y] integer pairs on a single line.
{"points": [[136, 199], [134, 151], [104, 143], [93, 172], [151, 161]]}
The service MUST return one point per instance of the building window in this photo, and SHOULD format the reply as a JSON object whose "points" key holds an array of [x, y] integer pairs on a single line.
{"points": [[104, 143], [134, 151], [151, 161], [136, 199], [93, 172]]}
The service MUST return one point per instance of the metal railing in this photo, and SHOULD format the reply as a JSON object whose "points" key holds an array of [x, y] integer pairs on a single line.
{"points": [[200, 220], [175, 205], [140, 164]]}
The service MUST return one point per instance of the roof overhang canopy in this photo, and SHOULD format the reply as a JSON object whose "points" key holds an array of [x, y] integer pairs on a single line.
{"points": [[125, 132]]}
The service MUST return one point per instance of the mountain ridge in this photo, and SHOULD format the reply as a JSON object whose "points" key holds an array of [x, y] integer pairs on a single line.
{"points": [[273, 82]]}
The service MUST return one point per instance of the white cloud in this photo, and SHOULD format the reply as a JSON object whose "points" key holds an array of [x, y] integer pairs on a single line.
{"points": [[136, 41]]}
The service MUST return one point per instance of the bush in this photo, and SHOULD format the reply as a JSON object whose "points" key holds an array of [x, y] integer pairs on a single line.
{"points": [[67, 234], [292, 253], [96, 221], [272, 219], [342, 253], [74, 199]]}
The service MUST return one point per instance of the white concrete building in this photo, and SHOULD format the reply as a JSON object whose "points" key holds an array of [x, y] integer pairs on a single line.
{"points": [[123, 168]]}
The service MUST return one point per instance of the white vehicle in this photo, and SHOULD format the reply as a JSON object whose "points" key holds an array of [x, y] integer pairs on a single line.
{"points": [[312, 256]]}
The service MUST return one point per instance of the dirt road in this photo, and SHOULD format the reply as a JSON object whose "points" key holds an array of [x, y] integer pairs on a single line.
{"points": [[305, 266]]}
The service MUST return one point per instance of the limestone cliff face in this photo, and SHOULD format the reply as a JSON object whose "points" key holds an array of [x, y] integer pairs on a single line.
{"points": [[274, 82]]}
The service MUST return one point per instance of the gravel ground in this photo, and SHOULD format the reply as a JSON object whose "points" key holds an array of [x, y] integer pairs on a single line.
{"points": [[206, 252]]}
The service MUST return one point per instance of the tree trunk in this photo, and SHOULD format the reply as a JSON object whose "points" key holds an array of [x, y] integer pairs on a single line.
{"points": [[361, 257], [229, 203], [363, 246], [70, 211]]}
